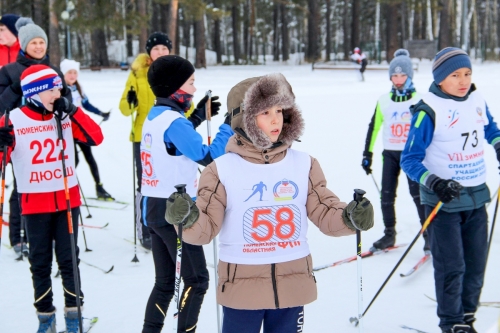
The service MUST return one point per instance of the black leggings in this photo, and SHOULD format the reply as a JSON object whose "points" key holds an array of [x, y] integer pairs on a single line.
{"points": [[390, 174], [194, 274], [87, 153]]}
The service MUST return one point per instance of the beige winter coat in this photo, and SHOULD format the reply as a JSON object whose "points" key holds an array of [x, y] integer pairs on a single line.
{"points": [[270, 286]]}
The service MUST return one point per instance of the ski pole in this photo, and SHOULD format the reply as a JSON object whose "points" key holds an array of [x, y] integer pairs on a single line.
{"points": [[134, 259], [208, 110], [4, 165], [22, 240], [426, 224], [492, 227], [70, 223], [358, 196], [89, 216], [376, 185], [181, 188], [84, 237]]}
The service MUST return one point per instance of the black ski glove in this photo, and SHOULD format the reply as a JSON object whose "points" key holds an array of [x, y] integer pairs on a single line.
{"points": [[366, 163], [199, 114], [105, 115], [446, 190], [180, 205], [132, 98], [63, 106], [7, 136], [361, 213]]}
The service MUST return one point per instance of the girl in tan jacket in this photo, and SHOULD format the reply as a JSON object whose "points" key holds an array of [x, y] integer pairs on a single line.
{"points": [[258, 198]]}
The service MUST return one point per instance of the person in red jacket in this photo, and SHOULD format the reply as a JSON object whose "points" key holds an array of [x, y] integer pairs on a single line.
{"points": [[33, 146], [9, 45]]}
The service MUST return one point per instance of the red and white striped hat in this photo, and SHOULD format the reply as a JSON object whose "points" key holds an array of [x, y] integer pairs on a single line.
{"points": [[38, 78]]}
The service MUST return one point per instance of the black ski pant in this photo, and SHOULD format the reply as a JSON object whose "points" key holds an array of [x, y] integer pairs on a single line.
{"points": [[15, 217], [89, 157], [364, 63], [43, 229], [194, 274], [390, 174], [459, 244], [142, 229]]}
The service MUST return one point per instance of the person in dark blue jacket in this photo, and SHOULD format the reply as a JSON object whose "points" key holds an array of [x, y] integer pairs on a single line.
{"points": [[445, 154], [71, 69], [171, 151]]}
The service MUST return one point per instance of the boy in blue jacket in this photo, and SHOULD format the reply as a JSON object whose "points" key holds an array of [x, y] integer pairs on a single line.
{"points": [[445, 154]]}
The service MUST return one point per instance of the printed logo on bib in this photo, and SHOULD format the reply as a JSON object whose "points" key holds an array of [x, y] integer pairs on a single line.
{"points": [[257, 188], [148, 172], [271, 224], [285, 190], [480, 114], [453, 117], [148, 140]]}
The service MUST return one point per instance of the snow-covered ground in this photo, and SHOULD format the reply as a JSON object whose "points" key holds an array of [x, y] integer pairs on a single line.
{"points": [[337, 109]]}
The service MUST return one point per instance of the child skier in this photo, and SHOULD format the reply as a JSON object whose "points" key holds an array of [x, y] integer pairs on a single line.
{"points": [[33, 147], [171, 149], [393, 113], [265, 267], [360, 58], [70, 70], [445, 154]]}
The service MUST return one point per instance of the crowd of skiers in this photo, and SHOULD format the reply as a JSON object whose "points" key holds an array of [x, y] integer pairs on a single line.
{"points": [[265, 273]]}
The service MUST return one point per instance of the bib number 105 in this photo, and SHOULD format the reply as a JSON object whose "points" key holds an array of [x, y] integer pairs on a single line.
{"points": [[400, 130], [276, 223]]}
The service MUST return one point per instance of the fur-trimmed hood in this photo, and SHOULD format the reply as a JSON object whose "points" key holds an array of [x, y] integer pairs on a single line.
{"points": [[264, 93]]}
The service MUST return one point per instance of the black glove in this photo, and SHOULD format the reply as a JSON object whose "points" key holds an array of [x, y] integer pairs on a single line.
{"points": [[105, 115], [16, 88], [178, 206], [366, 163], [63, 106], [132, 98], [361, 213], [199, 114], [446, 190], [7, 136]]}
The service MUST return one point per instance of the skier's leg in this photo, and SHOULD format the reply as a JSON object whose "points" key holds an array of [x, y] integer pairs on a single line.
{"points": [[40, 233], [288, 320], [475, 242], [415, 194], [89, 157], [64, 254], [195, 276], [445, 235], [163, 290], [242, 321]]}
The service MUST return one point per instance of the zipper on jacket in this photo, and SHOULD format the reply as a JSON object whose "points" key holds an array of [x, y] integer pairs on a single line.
{"points": [[275, 288], [224, 284], [311, 271]]}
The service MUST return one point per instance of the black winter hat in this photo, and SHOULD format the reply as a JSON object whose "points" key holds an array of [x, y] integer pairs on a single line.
{"points": [[168, 73], [9, 20], [158, 38]]}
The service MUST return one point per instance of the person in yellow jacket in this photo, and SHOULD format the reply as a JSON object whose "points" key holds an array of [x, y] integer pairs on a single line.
{"points": [[139, 98]]}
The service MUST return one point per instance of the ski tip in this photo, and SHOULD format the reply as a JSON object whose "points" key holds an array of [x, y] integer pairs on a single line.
{"points": [[112, 267]]}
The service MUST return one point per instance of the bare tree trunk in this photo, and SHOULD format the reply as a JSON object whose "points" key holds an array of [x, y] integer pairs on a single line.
{"points": [[403, 20], [345, 26], [328, 49], [276, 49], [54, 46], [411, 20], [246, 25], [199, 42], [430, 35], [217, 36], [285, 35], [392, 30], [495, 26], [143, 36], [444, 26], [355, 23], [186, 33], [99, 50], [172, 24], [37, 7], [313, 30], [252, 30], [235, 12]]}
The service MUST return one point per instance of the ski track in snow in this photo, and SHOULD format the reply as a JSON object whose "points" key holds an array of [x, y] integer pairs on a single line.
{"points": [[337, 109]]}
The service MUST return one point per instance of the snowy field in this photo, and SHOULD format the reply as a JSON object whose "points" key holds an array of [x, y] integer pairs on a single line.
{"points": [[337, 109]]}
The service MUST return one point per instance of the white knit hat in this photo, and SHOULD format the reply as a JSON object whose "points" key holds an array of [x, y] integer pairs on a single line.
{"points": [[67, 65]]}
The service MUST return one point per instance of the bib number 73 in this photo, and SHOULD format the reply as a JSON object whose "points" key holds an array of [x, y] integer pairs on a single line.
{"points": [[274, 223]]}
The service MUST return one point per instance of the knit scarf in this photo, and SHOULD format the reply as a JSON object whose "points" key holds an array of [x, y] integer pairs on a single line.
{"points": [[183, 99], [404, 93]]}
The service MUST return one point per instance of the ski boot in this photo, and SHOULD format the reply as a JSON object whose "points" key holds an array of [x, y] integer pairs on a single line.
{"points": [[71, 318], [21, 249], [102, 194], [458, 328], [469, 320], [427, 244], [388, 240], [47, 322]]}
